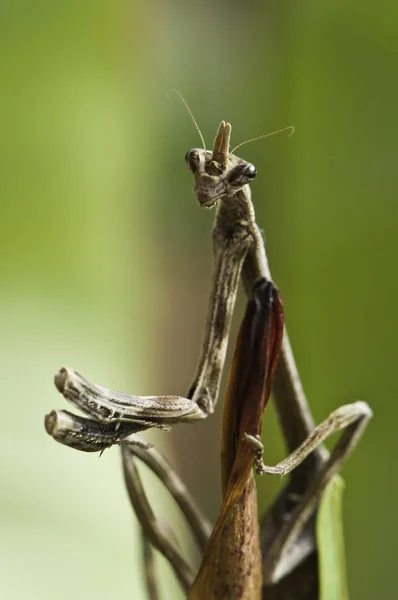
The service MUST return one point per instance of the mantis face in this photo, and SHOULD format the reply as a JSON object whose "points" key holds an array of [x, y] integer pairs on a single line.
{"points": [[218, 173]]}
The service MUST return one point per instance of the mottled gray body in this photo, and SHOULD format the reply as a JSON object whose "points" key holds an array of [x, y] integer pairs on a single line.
{"points": [[288, 537], [222, 180]]}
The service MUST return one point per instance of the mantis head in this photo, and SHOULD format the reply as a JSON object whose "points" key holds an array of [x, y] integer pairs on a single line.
{"points": [[217, 173]]}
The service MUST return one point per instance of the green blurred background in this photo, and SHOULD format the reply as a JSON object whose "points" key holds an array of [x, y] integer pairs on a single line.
{"points": [[105, 256]]}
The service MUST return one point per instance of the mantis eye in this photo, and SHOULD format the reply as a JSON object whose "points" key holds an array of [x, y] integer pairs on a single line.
{"points": [[250, 171], [242, 174], [192, 160]]}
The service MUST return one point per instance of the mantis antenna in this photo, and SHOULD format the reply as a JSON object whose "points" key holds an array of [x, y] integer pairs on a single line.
{"points": [[260, 137], [185, 103]]}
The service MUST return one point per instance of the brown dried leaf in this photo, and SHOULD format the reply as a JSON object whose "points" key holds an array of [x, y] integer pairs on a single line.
{"points": [[231, 567]]}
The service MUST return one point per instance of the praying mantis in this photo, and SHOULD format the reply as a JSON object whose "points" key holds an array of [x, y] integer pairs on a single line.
{"points": [[288, 540]]}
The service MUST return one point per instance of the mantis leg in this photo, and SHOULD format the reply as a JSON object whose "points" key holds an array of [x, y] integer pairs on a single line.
{"points": [[228, 258], [149, 565], [155, 533], [288, 534], [107, 406], [199, 524]]}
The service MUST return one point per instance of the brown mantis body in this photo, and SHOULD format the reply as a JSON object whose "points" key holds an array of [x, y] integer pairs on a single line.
{"points": [[287, 531]]}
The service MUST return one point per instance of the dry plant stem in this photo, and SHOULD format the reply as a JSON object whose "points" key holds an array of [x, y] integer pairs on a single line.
{"points": [[201, 527], [157, 533], [150, 570]]}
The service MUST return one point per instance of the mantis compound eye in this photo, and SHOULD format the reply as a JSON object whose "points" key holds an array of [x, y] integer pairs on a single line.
{"points": [[192, 160], [242, 174], [250, 171]]}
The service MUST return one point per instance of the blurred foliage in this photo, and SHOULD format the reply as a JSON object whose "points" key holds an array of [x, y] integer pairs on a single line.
{"points": [[105, 259], [330, 543]]}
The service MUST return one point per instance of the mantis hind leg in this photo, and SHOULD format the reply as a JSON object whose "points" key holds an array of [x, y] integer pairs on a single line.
{"points": [[288, 532]]}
